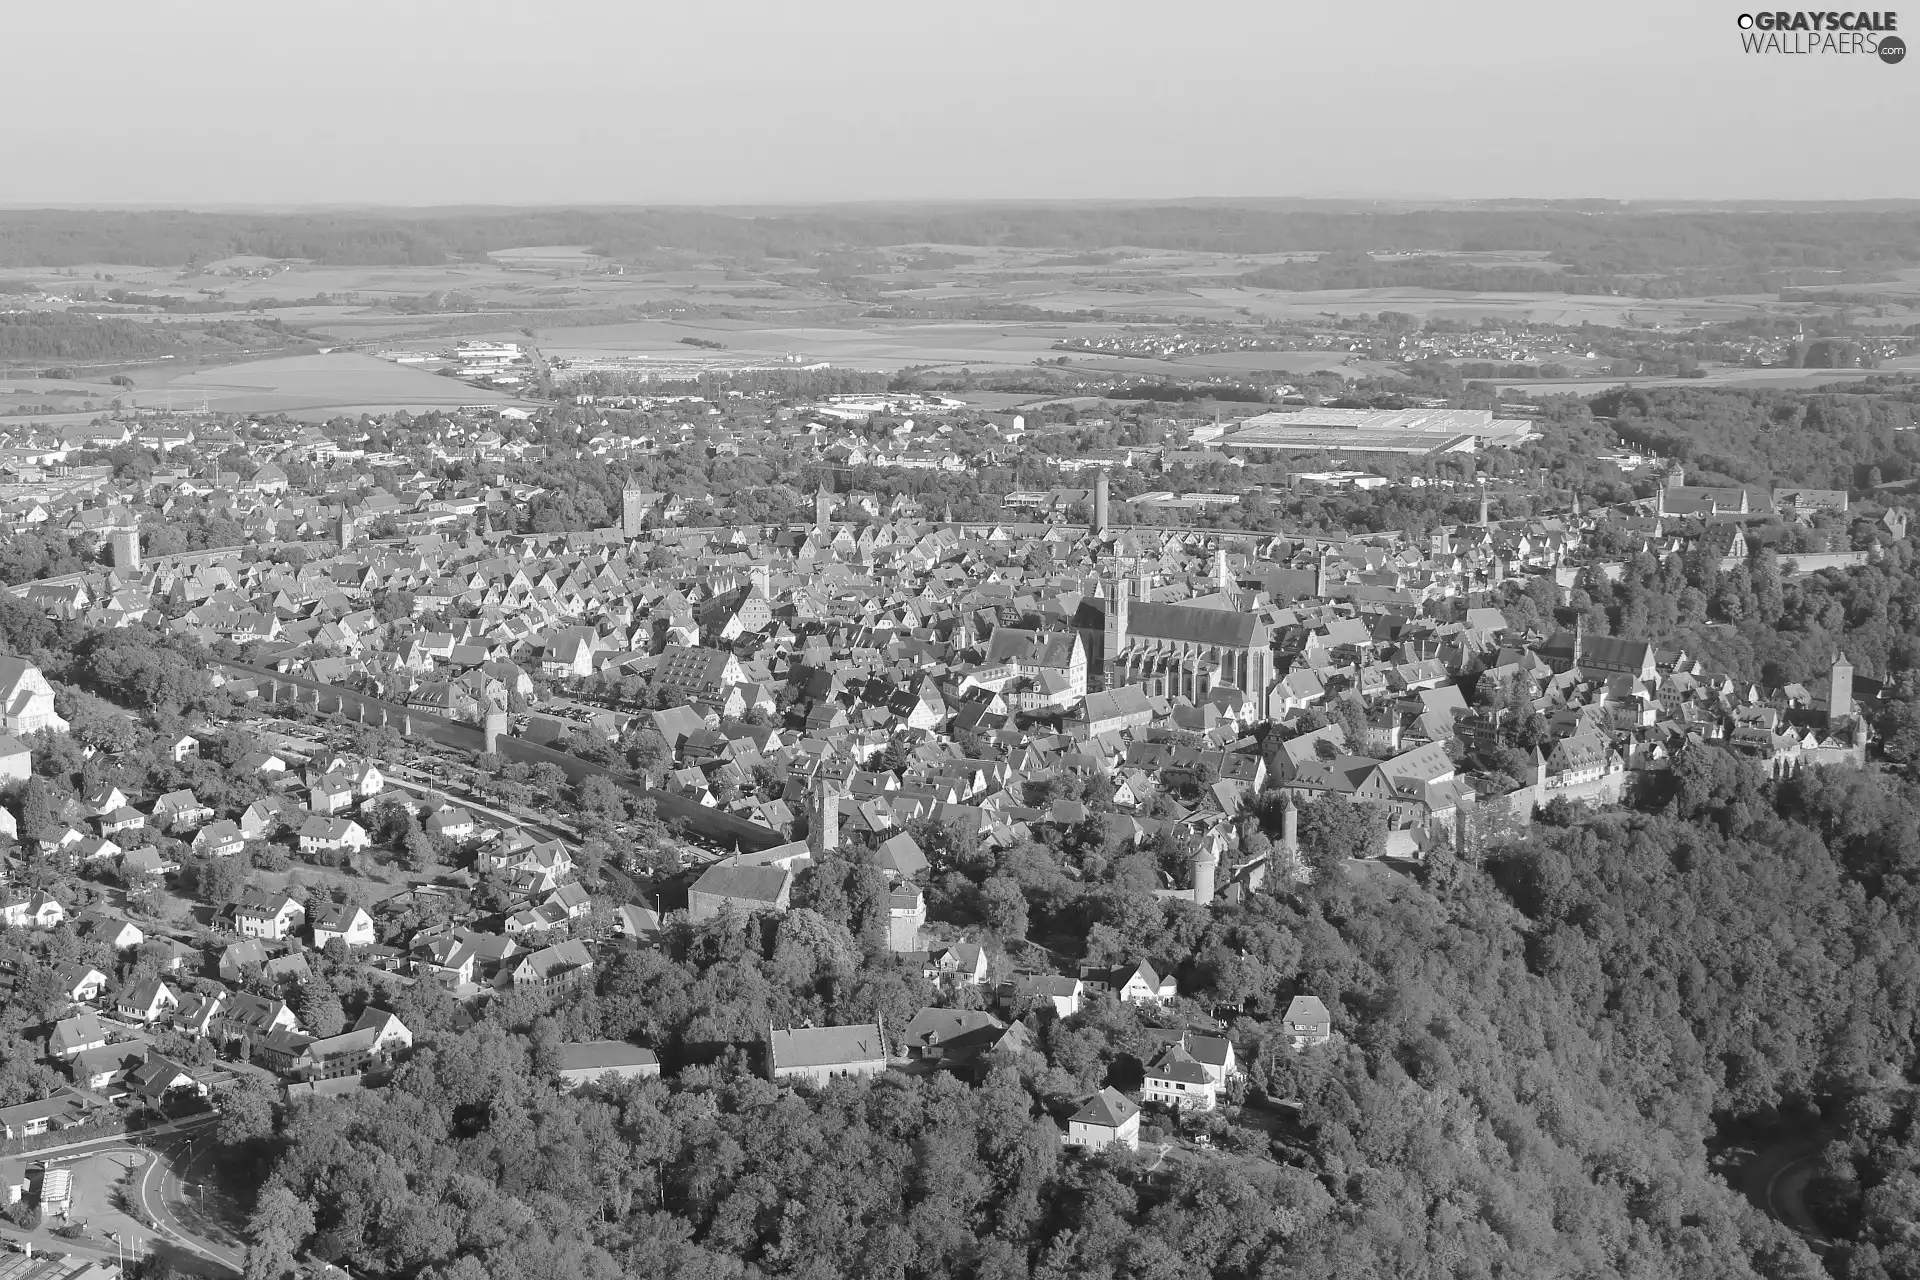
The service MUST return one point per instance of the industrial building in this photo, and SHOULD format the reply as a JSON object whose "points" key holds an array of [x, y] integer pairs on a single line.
{"points": [[1412, 431]]}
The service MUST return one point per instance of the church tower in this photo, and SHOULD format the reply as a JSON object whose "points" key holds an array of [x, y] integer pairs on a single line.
{"points": [[1113, 640], [1839, 690]]}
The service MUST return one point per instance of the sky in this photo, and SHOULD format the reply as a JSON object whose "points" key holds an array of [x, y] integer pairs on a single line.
{"points": [[424, 102]]}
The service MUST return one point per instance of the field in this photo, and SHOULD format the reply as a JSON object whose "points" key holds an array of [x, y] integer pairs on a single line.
{"points": [[575, 305], [1791, 379], [340, 381]]}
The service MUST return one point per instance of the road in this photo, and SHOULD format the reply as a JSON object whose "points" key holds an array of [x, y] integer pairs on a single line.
{"points": [[162, 1193], [1774, 1177], [159, 1193]]}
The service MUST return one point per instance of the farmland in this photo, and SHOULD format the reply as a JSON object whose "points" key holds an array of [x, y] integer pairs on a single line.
{"points": [[986, 307]]}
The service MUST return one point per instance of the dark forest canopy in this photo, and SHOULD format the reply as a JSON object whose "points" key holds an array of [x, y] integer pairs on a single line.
{"points": [[1610, 240]]}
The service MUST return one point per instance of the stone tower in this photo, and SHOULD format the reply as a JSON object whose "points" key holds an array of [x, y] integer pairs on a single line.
{"points": [[1288, 859], [1839, 690], [823, 817], [1206, 863], [343, 530], [1484, 505], [633, 512], [496, 726], [1102, 495], [823, 510], [1222, 573], [126, 549]]}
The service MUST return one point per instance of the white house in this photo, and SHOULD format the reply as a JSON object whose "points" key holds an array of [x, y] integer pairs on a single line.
{"points": [[26, 699], [350, 924], [1109, 1116]]}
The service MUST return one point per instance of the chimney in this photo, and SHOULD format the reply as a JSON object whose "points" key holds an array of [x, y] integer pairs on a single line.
{"points": [[1101, 497]]}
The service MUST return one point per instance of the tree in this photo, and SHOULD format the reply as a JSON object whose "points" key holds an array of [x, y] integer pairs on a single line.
{"points": [[246, 1112], [319, 1007], [1005, 904], [1334, 829], [280, 1225]]}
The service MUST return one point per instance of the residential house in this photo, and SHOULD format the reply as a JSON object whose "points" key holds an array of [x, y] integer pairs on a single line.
{"points": [[26, 699], [272, 916], [1108, 1117], [559, 965], [320, 834], [1306, 1022], [1062, 992], [351, 924], [1176, 1079], [32, 911], [80, 983], [147, 1001], [76, 1034], [369, 1046]]}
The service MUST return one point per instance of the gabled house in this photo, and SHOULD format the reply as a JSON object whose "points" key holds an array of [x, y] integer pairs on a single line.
{"points": [[180, 811], [560, 965], [76, 1035], [220, 839], [320, 834], [1176, 1079], [147, 1001], [1306, 1022], [272, 916], [351, 924], [80, 983]]}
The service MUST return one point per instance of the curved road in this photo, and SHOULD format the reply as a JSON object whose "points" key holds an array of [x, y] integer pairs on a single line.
{"points": [[162, 1194], [1786, 1199], [158, 1191], [1774, 1177]]}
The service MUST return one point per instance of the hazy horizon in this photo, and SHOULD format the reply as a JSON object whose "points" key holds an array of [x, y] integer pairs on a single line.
{"points": [[855, 102]]}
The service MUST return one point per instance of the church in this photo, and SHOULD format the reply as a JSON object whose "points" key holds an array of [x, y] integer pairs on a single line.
{"points": [[1174, 650]]}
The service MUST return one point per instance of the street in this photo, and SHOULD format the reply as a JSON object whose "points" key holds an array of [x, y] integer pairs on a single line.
{"points": [[191, 1238]]}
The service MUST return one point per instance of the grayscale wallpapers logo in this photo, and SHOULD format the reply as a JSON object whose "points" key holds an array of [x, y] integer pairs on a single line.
{"points": [[1799, 33]]}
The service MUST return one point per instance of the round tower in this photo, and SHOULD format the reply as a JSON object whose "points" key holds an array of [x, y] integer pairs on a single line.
{"points": [[1206, 863]]}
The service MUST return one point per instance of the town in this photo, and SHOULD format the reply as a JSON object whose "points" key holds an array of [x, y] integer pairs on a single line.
{"points": [[357, 736]]}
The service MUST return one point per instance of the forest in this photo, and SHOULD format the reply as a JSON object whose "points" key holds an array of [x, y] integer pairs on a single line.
{"points": [[41, 336], [1537, 1049], [1841, 437]]}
